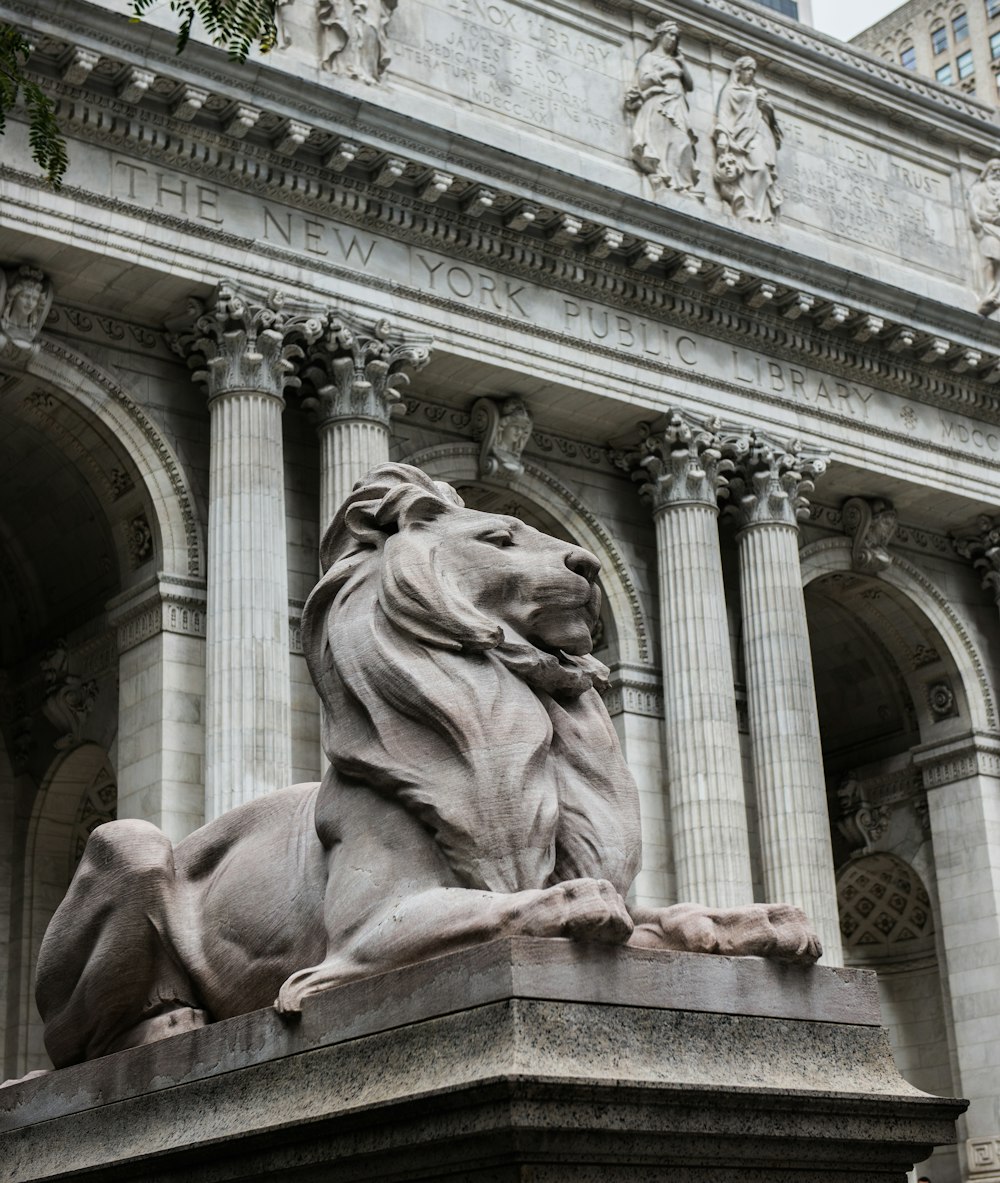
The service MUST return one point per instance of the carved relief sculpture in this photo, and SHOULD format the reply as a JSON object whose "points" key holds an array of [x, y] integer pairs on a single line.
{"points": [[663, 144], [476, 789], [69, 699], [503, 430], [871, 526], [284, 37], [747, 139], [984, 214], [25, 300], [354, 37]]}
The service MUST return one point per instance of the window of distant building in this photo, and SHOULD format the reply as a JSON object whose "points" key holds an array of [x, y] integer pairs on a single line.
{"points": [[961, 26], [992, 8], [995, 45], [787, 7], [908, 57], [939, 39], [964, 63], [944, 75]]}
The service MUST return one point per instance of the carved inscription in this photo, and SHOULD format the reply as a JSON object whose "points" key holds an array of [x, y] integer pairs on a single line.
{"points": [[482, 291], [869, 196], [516, 62]]}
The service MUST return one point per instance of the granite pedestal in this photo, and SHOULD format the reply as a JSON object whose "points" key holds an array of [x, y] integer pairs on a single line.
{"points": [[523, 1059]]}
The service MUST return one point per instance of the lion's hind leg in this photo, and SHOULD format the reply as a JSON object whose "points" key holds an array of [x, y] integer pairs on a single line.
{"points": [[107, 976]]}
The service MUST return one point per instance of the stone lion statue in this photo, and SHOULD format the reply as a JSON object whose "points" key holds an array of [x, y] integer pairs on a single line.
{"points": [[476, 789]]}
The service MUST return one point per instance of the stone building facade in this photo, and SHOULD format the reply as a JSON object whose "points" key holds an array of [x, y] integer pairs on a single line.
{"points": [[957, 44], [685, 283]]}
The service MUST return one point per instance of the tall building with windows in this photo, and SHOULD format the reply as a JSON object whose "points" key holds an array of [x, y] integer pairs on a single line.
{"points": [[798, 10], [955, 44]]}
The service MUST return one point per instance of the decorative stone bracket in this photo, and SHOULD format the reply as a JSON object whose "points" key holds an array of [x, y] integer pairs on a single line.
{"points": [[982, 549], [25, 301], [871, 526], [502, 430], [69, 699]]}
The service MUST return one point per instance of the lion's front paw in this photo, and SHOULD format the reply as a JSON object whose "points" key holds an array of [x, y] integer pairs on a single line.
{"points": [[304, 983], [584, 909], [779, 931]]}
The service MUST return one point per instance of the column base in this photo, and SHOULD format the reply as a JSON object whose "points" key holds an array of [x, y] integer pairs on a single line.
{"points": [[521, 1059]]}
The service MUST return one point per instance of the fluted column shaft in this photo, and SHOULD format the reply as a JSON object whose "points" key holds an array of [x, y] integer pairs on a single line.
{"points": [[705, 777], [348, 448], [247, 677], [242, 351], [680, 467], [793, 820]]}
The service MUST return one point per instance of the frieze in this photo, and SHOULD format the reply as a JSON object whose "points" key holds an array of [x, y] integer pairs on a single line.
{"points": [[199, 208], [79, 323]]}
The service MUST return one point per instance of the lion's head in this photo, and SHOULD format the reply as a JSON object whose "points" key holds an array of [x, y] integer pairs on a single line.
{"points": [[450, 647]]}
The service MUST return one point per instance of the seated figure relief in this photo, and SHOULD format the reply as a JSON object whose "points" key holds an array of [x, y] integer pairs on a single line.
{"points": [[476, 789]]}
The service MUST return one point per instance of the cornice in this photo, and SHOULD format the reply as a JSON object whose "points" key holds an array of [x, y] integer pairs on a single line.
{"points": [[730, 291]]}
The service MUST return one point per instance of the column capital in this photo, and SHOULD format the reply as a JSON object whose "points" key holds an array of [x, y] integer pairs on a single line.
{"points": [[355, 371], [771, 482], [244, 342], [682, 462], [982, 549]]}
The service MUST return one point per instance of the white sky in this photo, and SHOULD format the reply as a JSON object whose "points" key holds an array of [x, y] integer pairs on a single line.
{"points": [[845, 18]]}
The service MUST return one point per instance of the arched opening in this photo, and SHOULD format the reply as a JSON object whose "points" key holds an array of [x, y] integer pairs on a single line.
{"points": [[887, 682], [92, 505]]}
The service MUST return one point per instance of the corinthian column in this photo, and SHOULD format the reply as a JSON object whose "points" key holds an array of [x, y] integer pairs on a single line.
{"points": [[680, 469], [768, 493], [354, 377], [242, 352]]}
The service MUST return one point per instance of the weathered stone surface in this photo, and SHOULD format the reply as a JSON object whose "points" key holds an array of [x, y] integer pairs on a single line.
{"points": [[519, 1056]]}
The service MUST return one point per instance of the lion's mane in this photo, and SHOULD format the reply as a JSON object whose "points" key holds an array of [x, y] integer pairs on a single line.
{"points": [[504, 752]]}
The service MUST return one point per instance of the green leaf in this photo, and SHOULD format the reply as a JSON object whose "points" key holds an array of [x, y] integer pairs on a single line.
{"points": [[48, 148]]}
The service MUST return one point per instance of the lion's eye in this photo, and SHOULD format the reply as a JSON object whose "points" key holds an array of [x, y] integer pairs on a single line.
{"points": [[498, 538]]}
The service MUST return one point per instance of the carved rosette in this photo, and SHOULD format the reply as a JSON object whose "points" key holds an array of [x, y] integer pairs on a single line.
{"points": [[871, 526], [502, 430], [356, 372], [682, 462], [239, 343], [771, 483], [982, 549]]}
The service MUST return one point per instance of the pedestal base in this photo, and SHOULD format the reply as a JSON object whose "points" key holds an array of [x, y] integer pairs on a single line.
{"points": [[524, 1059]]}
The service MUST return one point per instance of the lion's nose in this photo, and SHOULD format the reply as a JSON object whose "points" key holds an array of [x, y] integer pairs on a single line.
{"points": [[582, 562]]}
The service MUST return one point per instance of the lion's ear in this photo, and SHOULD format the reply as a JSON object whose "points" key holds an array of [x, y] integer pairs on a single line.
{"points": [[361, 519]]}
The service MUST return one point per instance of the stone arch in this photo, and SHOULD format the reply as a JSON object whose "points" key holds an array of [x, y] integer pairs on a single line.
{"points": [[77, 793], [165, 484], [912, 590], [458, 462]]}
